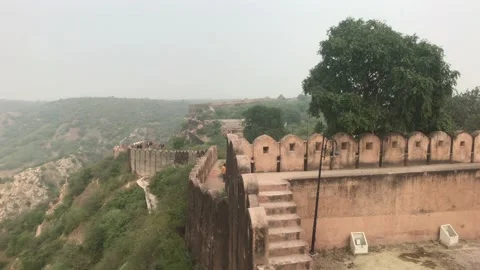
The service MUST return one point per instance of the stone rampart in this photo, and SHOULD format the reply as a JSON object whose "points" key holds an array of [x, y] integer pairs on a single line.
{"points": [[147, 162], [248, 225], [206, 232], [364, 151], [406, 188], [391, 205]]}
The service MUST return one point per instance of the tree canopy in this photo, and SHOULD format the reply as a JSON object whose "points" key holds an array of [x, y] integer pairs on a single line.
{"points": [[465, 110], [372, 78], [261, 120]]}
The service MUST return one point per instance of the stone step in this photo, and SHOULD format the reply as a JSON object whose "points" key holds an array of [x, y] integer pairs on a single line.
{"points": [[275, 196], [291, 262], [284, 248], [273, 185], [284, 234], [285, 220], [276, 208]]}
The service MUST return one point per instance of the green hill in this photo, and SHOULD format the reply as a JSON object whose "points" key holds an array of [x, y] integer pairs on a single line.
{"points": [[32, 133], [103, 223]]}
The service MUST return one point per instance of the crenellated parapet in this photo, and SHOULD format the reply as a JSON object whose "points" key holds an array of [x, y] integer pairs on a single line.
{"points": [[344, 151], [147, 161]]}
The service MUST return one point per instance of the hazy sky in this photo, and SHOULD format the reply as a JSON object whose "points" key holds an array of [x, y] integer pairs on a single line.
{"points": [[175, 49]]}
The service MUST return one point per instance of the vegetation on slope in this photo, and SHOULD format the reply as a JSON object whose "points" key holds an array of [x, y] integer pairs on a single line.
{"points": [[86, 126], [293, 115], [118, 232]]}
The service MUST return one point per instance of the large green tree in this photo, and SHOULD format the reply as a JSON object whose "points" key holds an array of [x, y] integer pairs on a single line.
{"points": [[261, 120], [465, 109], [372, 78]]}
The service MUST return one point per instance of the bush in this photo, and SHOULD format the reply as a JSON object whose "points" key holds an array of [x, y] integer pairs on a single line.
{"points": [[73, 218]]}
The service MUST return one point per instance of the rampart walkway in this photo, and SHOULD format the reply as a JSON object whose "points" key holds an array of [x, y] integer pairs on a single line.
{"points": [[214, 180]]}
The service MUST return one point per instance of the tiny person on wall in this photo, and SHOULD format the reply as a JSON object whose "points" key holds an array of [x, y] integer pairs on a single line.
{"points": [[224, 172]]}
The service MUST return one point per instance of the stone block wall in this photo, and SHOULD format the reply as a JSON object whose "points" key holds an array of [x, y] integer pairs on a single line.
{"points": [[148, 162], [344, 151], [206, 232], [390, 206], [248, 225]]}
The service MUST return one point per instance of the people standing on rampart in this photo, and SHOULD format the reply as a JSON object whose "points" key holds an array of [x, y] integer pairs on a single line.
{"points": [[224, 172]]}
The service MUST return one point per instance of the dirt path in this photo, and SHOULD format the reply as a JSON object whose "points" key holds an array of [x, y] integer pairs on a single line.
{"points": [[149, 197], [215, 180]]}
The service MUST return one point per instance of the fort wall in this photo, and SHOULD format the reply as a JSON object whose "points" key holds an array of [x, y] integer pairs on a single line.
{"points": [[396, 189], [344, 151], [206, 232], [147, 162], [391, 206]]}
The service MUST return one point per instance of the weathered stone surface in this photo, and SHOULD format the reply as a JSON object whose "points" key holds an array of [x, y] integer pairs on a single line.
{"points": [[29, 188], [206, 232]]}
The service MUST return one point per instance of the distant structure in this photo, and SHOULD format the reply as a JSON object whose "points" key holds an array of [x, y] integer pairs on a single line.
{"points": [[148, 158], [118, 149], [194, 109]]}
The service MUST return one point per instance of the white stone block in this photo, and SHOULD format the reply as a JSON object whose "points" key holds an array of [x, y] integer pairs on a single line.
{"points": [[448, 236], [358, 243]]}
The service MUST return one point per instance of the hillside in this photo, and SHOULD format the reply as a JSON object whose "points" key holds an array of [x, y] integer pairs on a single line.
{"points": [[208, 124], [32, 133], [17, 105], [34, 186], [102, 223]]}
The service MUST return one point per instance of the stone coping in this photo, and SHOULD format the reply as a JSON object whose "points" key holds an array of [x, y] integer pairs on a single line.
{"points": [[309, 175]]}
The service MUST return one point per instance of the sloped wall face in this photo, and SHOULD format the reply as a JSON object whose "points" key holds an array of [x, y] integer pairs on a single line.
{"points": [[206, 232], [244, 147], [390, 209], [314, 146], [292, 154], [417, 149], [265, 153], [440, 145], [347, 148], [462, 148], [393, 150], [369, 151]]}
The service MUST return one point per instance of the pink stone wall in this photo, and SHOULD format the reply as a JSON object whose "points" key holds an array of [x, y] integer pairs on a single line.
{"points": [[440, 145], [476, 146], [462, 148], [347, 149], [390, 209], [368, 151], [265, 153], [393, 150], [244, 147], [314, 145], [292, 153], [417, 148]]}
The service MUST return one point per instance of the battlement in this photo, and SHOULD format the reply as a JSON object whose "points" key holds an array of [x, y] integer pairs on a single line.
{"points": [[148, 161], [292, 153]]}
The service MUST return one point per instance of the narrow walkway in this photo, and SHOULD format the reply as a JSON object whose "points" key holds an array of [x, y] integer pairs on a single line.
{"points": [[149, 197], [215, 180]]}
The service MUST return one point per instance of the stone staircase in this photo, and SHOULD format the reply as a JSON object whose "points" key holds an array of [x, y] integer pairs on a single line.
{"points": [[287, 250]]}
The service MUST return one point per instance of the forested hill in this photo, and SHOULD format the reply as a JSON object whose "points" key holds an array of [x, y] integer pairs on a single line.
{"points": [[32, 133]]}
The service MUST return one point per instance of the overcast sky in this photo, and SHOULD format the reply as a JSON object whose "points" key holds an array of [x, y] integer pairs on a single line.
{"points": [[175, 49]]}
